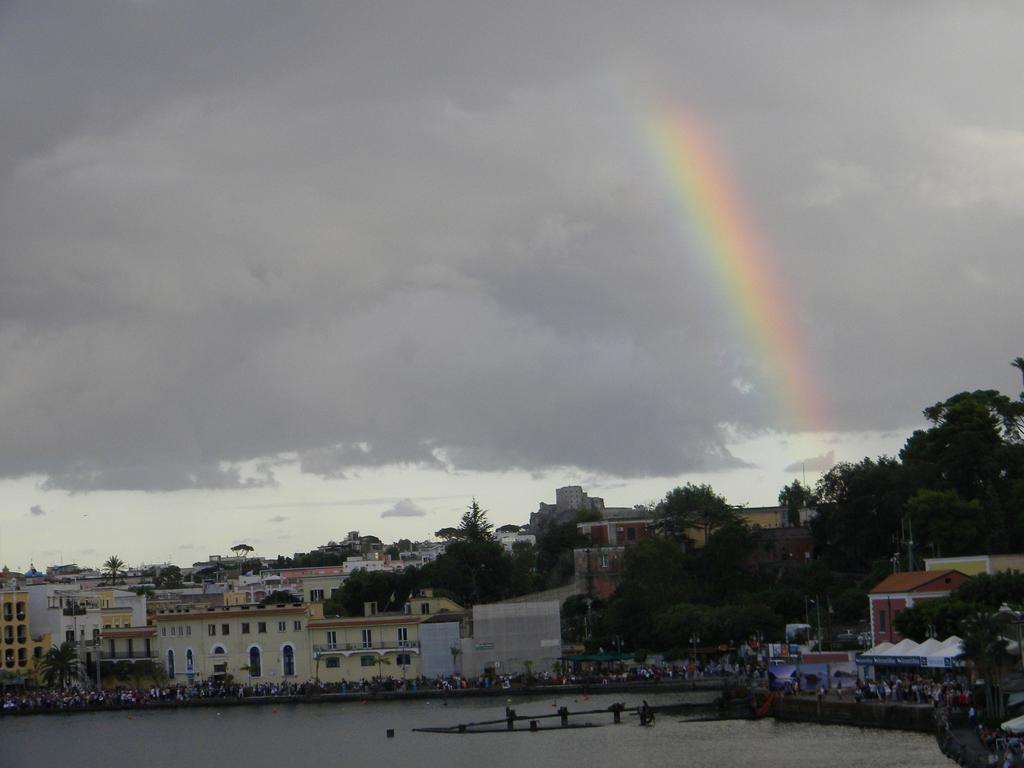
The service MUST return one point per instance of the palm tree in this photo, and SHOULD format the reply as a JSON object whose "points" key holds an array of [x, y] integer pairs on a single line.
{"points": [[985, 646], [114, 569], [59, 665], [1018, 363], [241, 550]]}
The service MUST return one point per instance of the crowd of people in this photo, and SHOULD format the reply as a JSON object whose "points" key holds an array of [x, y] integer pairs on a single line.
{"points": [[76, 698]]}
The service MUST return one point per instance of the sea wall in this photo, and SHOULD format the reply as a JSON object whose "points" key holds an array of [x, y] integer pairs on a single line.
{"points": [[811, 709]]}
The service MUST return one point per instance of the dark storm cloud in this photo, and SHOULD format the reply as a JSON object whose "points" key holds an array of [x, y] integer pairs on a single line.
{"points": [[352, 236]]}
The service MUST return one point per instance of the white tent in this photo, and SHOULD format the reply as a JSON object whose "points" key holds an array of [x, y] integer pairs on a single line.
{"points": [[1014, 726]]}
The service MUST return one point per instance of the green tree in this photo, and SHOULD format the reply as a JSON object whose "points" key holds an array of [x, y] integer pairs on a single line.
{"points": [[940, 618], [947, 523], [385, 589], [474, 571], [794, 497], [114, 570], [59, 665], [1018, 363], [693, 506], [169, 577], [242, 550], [723, 562], [447, 534], [985, 646], [656, 575], [280, 597], [990, 591], [474, 525]]}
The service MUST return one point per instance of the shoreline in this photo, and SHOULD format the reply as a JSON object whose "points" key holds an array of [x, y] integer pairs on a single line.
{"points": [[673, 686]]}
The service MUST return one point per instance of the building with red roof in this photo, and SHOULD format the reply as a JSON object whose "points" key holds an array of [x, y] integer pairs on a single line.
{"points": [[899, 591]]}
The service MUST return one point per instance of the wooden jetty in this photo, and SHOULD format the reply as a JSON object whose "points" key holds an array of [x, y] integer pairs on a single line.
{"points": [[533, 723], [720, 709]]}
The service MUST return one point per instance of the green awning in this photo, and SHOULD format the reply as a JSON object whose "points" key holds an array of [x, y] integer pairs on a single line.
{"points": [[603, 657]]}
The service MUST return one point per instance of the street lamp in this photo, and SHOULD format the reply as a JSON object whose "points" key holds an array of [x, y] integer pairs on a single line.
{"points": [[694, 639]]}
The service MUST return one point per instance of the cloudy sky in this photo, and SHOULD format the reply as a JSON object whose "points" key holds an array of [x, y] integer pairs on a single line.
{"points": [[275, 271]]}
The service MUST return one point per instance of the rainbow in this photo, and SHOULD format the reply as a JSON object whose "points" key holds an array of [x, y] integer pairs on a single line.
{"points": [[747, 275]]}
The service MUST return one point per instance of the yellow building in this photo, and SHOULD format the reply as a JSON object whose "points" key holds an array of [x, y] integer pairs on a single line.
{"points": [[20, 650], [972, 565], [375, 644], [249, 643]]}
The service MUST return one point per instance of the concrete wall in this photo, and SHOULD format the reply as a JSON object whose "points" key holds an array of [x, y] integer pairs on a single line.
{"points": [[506, 635], [868, 715]]}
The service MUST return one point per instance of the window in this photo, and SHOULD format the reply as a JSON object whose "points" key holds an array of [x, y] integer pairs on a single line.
{"points": [[225, 629], [424, 607], [316, 595], [188, 630], [332, 639], [403, 659], [333, 662], [281, 625], [367, 638], [174, 631], [211, 630], [604, 559], [367, 661], [288, 661], [261, 627], [189, 661], [297, 626], [170, 664], [631, 534], [69, 636], [245, 627], [403, 637], [163, 631], [881, 621], [254, 662], [218, 650]]}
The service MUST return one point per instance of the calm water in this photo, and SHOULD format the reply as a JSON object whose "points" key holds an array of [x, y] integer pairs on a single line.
{"points": [[300, 735]]}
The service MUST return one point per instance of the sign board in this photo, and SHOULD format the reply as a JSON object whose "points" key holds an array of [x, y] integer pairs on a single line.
{"points": [[485, 646]]}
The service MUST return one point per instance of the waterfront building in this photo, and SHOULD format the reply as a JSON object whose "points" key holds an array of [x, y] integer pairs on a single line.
{"points": [[21, 647], [511, 638], [377, 643], [249, 643], [899, 591]]}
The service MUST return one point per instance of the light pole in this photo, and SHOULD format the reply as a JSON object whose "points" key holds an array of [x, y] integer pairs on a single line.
{"points": [[694, 639]]}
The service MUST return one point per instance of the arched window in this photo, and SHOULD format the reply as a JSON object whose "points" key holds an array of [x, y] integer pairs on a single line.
{"points": [[170, 664], [218, 650], [189, 661], [254, 662], [288, 660]]}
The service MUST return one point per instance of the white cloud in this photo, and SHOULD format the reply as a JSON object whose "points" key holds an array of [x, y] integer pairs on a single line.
{"points": [[405, 508]]}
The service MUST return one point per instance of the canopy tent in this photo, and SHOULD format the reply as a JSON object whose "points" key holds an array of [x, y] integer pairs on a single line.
{"points": [[1014, 726], [931, 653]]}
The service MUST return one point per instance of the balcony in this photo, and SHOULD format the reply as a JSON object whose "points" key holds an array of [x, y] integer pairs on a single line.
{"points": [[133, 655], [381, 647], [76, 610]]}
